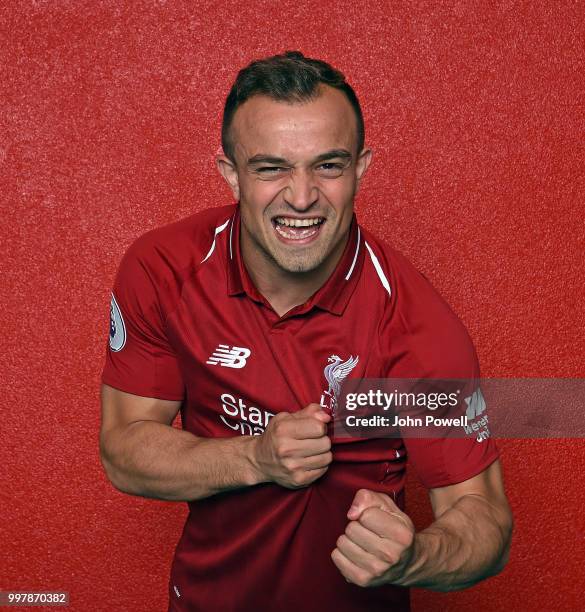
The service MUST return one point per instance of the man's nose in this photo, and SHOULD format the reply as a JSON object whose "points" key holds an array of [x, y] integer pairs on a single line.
{"points": [[301, 192]]}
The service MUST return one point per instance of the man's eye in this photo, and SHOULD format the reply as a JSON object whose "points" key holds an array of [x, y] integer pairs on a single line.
{"points": [[334, 169], [270, 173], [269, 169]]}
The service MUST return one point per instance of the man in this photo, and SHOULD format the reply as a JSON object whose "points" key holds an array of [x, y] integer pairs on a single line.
{"points": [[232, 316]]}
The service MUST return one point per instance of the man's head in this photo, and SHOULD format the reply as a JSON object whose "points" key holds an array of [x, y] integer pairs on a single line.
{"points": [[290, 77], [293, 139]]}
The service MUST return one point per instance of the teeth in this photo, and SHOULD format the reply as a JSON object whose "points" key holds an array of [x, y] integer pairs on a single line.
{"points": [[298, 222]]}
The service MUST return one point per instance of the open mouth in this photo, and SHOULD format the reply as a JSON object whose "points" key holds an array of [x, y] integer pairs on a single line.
{"points": [[289, 229]]}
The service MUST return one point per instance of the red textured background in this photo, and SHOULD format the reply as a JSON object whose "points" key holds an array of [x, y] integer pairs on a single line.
{"points": [[109, 120]]}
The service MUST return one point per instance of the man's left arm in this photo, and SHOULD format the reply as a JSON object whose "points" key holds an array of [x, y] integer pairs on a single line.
{"points": [[468, 541]]}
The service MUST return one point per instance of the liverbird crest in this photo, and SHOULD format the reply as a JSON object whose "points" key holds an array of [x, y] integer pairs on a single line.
{"points": [[336, 372]]}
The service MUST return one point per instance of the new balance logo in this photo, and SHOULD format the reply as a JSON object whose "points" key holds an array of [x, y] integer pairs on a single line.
{"points": [[234, 357]]}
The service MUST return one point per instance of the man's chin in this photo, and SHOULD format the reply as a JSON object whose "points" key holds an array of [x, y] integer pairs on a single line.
{"points": [[298, 265]]}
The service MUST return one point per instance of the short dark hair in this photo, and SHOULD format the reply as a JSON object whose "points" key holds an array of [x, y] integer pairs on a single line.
{"points": [[290, 77]]}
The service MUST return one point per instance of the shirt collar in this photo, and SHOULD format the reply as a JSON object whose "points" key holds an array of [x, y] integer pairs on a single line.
{"points": [[332, 296]]}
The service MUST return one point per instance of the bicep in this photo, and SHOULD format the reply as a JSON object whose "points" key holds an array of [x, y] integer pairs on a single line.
{"points": [[121, 409], [489, 484]]}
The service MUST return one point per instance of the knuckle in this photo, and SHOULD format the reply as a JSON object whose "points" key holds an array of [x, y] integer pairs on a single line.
{"points": [[316, 427], [298, 479], [407, 539], [317, 474], [290, 465], [283, 423], [278, 419], [387, 555], [377, 568], [282, 449], [286, 466], [362, 579]]}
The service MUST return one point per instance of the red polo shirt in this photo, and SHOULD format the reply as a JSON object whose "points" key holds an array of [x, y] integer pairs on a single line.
{"points": [[188, 324]]}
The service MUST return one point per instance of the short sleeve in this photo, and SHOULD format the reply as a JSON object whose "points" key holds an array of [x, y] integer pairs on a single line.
{"points": [[436, 345], [440, 462], [139, 357], [463, 452]]}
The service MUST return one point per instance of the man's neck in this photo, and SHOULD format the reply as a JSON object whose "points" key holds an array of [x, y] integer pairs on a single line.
{"points": [[282, 289]]}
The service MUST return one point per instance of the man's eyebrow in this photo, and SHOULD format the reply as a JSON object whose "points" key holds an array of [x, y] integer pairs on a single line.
{"points": [[261, 158], [342, 153], [266, 159]]}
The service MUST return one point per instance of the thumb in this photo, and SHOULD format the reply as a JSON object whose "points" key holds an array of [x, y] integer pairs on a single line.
{"points": [[365, 498], [315, 411]]}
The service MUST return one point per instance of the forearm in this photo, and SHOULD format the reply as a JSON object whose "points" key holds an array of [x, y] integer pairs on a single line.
{"points": [[466, 544], [151, 459]]}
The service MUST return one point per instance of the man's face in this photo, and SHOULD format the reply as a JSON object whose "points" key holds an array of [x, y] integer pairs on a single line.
{"points": [[296, 173]]}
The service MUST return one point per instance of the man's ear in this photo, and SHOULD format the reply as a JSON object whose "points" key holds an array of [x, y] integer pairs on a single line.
{"points": [[363, 162], [227, 168]]}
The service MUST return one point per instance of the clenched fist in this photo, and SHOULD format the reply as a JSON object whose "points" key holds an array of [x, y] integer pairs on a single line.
{"points": [[378, 543], [294, 450]]}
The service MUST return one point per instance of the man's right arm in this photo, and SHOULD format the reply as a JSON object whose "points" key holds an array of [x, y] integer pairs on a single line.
{"points": [[144, 455]]}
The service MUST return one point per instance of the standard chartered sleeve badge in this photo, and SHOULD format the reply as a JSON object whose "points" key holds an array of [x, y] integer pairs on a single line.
{"points": [[117, 327]]}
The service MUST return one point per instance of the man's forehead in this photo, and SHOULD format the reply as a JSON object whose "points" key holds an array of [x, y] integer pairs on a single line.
{"points": [[265, 125]]}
